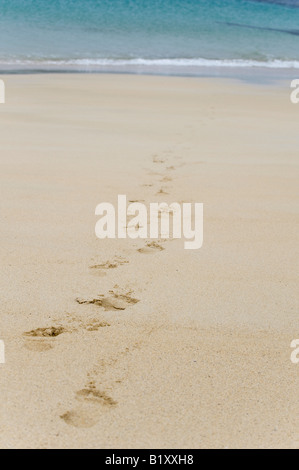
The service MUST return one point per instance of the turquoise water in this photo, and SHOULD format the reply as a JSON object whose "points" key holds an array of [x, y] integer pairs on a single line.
{"points": [[154, 35]]}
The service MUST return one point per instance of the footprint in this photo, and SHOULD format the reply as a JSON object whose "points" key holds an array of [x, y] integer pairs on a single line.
{"points": [[118, 261], [112, 302], [96, 325], [166, 179], [39, 340], [81, 417], [157, 159], [161, 191], [150, 248], [93, 395], [78, 323], [94, 399], [38, 346], [50, 332], [89, 414]]}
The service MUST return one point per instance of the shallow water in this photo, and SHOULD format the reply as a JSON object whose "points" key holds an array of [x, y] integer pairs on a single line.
{"points": [[159, 36]]}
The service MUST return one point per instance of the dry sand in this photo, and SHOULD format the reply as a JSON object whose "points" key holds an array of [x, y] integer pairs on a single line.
{"points": [[203, 358]]}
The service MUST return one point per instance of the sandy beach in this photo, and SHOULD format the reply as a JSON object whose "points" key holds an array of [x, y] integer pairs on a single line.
{"points": [[198, 354]]}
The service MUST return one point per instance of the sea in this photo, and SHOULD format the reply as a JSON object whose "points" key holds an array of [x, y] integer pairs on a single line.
{"points": [[176, 37]]}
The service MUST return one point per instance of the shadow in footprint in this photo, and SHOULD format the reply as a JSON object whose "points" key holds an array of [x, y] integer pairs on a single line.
{"points": [[112, 302], [151, 248], [157, 159], [50, 332], [101, 268], [161, 191], [96, 325], [95, 396], [136, 200]]}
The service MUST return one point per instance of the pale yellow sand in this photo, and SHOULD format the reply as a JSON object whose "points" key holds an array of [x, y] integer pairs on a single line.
{"points": [[203, 359]]}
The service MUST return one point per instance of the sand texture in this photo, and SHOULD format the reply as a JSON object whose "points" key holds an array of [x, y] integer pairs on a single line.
{"points": [[132, 344]]}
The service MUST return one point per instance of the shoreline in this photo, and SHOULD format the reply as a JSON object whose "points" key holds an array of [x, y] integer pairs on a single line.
{"points": [[251, 75]]}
